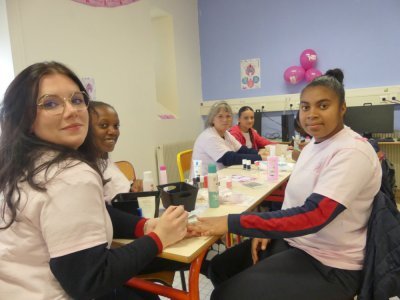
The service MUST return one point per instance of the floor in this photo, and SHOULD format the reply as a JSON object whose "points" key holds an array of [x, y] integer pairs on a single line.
{"points": [[205, 285]]}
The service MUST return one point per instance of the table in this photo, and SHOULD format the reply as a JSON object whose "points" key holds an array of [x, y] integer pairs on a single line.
{"points": [[193, 250]]}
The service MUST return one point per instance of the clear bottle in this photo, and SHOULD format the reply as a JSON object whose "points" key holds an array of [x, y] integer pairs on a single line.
{"points": [[213, 192], [148, 182], [162, 175]]}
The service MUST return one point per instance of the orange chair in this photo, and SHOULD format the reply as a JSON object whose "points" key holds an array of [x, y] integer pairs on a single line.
{"points": [[184, 161], [126, 168]]}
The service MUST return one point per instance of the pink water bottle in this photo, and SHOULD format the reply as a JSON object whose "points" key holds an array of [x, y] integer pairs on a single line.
{"points": [[272, 169], [162, 175]]}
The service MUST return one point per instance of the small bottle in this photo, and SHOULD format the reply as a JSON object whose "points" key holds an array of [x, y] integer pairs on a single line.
{"points": [[148, 182], [213, 193], [273, 168], [248, 164], [244, 163], [163, 175]]}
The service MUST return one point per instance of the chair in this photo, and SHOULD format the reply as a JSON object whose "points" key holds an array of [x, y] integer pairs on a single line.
{"points": [[126, 168], [184, 160]]}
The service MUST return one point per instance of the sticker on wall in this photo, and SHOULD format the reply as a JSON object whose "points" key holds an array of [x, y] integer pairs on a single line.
{"points": [[88, 83], [250, 74]]}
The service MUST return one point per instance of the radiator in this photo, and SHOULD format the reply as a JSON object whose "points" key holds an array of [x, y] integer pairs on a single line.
{"points": [[166, 155]]}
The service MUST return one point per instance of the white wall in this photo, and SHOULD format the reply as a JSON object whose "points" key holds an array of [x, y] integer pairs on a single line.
{"points": [[6, 65], [114, 45]]}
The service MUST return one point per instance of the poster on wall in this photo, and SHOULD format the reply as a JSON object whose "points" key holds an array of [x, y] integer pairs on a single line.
{"points": [[88, 83], [250, 74]]}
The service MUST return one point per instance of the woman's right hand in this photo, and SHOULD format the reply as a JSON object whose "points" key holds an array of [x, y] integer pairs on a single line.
{"points": [[137, 186], [258, 244], [171, 226]]}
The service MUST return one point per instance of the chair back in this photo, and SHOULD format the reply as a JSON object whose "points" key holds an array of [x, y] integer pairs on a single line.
{"points": [[184, 160], [127, 168]]}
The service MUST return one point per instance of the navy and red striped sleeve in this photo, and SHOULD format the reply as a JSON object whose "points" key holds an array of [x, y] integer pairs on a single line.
{"points": [[317, 212]]}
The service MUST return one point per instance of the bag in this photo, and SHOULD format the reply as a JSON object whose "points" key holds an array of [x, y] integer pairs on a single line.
{"points": [[388, 185]]}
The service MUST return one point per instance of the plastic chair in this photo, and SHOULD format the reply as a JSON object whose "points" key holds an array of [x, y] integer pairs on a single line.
{"points": [[127, 168], [184, 160]]}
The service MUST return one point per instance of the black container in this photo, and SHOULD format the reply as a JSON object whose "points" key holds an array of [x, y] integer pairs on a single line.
{"points": [[178, 193], [128, 202]]}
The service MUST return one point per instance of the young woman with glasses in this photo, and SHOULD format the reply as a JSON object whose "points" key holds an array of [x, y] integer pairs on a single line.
{"points": [[55, 231]]}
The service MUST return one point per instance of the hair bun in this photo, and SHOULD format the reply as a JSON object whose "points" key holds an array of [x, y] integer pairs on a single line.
{"points": [[336, 73]]}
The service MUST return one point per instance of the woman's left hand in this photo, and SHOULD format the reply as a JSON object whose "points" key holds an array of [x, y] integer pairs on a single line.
{"points": [[209, 226], [150, 225]]}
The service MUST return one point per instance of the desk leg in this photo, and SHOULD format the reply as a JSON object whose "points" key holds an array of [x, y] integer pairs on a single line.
{"points": [[194, 274], [170, 292]]}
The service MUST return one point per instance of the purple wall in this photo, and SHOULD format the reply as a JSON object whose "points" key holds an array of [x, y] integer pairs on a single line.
{"points": [[359, 36]]}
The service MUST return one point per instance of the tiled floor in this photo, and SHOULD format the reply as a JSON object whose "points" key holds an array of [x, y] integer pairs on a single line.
{"points": [[205, 285]]}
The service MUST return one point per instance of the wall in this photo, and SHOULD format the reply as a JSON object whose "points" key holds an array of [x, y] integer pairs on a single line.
{"points": [[6, 66], [358, 36], [114, 45]]}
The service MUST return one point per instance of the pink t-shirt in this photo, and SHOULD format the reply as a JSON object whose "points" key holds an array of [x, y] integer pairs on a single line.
{"points": [[70, 216], [118, 183], [210, 146], [346, 169]]}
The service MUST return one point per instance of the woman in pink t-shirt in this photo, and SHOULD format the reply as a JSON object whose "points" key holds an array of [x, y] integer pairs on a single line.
{"points": [[55, 229], [314, 247]]}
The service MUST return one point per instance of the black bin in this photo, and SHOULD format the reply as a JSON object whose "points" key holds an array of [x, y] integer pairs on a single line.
{"points": [[178, 193], [128, 202]]}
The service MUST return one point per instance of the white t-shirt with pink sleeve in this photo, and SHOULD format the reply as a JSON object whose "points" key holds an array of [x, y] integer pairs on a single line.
{"points": [[346, 169], [210, 146], [68, 217]]}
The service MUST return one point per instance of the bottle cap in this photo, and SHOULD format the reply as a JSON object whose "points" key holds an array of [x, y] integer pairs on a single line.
{"points": [[163, 168], [212, 168], [272, 150]]}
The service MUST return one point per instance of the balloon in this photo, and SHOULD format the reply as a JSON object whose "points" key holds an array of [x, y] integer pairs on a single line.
{"points": [[294, 74], [311, 74], [308, 58]]}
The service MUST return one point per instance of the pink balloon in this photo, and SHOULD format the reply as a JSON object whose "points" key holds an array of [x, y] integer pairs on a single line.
{"points": [[308, 59], [311, 74], [294, 74]]}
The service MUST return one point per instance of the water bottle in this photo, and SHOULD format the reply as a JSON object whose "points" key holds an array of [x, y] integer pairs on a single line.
{"points": [[148, 182], [147, 204], [273, 169], [163, 175], [213, 193]]}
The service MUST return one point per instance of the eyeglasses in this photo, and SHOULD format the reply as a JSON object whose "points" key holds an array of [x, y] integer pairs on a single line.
{"points": [[56, 104]]}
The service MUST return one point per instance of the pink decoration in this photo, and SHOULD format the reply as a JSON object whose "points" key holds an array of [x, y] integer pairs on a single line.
{"points": [[311, 74], [105, 3], [308, 58], [294, 74]]}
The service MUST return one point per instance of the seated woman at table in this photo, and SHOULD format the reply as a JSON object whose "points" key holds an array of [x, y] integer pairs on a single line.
{"points": [[244, 131], [313, 247], [105, 127], [55, 232], [216, 145]]}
